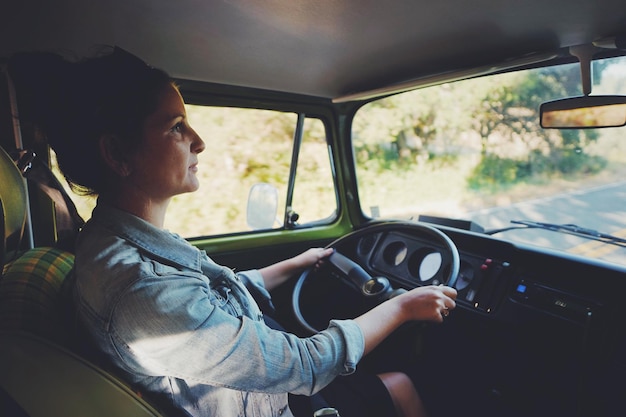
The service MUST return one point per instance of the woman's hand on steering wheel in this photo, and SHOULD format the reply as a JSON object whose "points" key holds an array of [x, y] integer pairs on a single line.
{"points": [[313, 257], [428, 303]]}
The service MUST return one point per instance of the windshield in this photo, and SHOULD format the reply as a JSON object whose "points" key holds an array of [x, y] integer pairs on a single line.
{"points": [[474, 150]]}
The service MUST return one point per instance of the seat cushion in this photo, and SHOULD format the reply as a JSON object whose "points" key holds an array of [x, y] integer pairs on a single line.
{"points": [[34, 294]]}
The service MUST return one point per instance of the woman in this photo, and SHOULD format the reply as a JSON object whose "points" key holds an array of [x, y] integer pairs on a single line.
{"points": [[185, 330]]}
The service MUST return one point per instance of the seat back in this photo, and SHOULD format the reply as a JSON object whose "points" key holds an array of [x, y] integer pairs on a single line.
{"points": [[39, 366], [34, 297], [13, 201], [42, 372]]}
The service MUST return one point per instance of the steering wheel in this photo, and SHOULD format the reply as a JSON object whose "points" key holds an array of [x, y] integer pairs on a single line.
{"points": [[362, 244]]}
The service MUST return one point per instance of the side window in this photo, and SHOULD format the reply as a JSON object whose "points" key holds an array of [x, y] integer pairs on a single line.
{"points": [[245, 147]]}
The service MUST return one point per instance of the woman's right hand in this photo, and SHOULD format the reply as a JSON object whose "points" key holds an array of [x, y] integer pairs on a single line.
{"points": [[429, 303]]}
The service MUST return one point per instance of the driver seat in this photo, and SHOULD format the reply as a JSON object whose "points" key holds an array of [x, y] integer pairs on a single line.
{"points": [[42, 372], [45, 366]]}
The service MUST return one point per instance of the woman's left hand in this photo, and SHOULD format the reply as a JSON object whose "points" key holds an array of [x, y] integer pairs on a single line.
{"points": [[276, 274], [312, 257]]}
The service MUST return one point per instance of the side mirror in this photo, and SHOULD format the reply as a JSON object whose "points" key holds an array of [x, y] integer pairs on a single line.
{"points": [[584, 112], [262, 206]]}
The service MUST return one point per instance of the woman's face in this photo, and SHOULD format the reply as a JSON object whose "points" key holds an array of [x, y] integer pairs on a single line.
{"points": [[166, 162]]}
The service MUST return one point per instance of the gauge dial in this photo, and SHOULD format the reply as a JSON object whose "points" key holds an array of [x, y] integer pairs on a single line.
{"points": [[429, 266], [395, 253]]}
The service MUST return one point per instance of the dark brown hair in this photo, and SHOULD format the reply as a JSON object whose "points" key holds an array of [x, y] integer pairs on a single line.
{"points": [[75, 103]]}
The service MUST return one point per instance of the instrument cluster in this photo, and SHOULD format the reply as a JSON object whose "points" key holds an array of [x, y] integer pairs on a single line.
{"points": [[408, 262]]}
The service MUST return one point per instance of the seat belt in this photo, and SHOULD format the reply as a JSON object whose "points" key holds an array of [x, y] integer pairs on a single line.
{"points": [[36, 171]]}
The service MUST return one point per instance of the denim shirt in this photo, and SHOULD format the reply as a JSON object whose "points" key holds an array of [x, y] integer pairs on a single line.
{"points": [[187, 332]]}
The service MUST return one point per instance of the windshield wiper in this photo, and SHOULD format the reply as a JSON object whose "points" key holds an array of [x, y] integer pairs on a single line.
{"points": [[564, 228]]}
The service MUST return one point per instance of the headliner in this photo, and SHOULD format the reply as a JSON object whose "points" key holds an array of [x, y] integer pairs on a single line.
{"points": [[325, 48]]}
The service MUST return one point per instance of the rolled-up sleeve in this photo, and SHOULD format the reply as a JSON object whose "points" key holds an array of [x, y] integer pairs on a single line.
{"points": [[355, 343], [253, 281], [253, 278]]}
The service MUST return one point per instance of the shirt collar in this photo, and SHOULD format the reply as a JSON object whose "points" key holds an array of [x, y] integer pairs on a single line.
{"points": [[158, 242]]}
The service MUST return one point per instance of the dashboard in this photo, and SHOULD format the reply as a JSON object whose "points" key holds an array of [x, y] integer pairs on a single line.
{"points": [[534, 332], [495, 274]]}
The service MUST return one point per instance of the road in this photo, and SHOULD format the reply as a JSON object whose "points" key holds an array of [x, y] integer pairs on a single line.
{"points": [[601, 208]]}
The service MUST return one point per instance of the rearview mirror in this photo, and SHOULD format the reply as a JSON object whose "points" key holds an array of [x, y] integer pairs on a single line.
{"points": [[584, 112]]}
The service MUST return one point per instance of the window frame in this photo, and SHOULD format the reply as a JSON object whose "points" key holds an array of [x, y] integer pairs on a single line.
{"points": [[317, 232]]}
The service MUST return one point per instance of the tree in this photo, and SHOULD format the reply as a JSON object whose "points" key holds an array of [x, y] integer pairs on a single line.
{"points": [[509, 115]]}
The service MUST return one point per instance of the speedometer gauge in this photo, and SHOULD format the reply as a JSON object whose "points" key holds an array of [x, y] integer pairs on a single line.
{"points": [[430, 266], [425, 263]]}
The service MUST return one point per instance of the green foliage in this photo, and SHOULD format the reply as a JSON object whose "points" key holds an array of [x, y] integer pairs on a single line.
{"points": [[502, 111], [494, 172], [571, 161]]}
